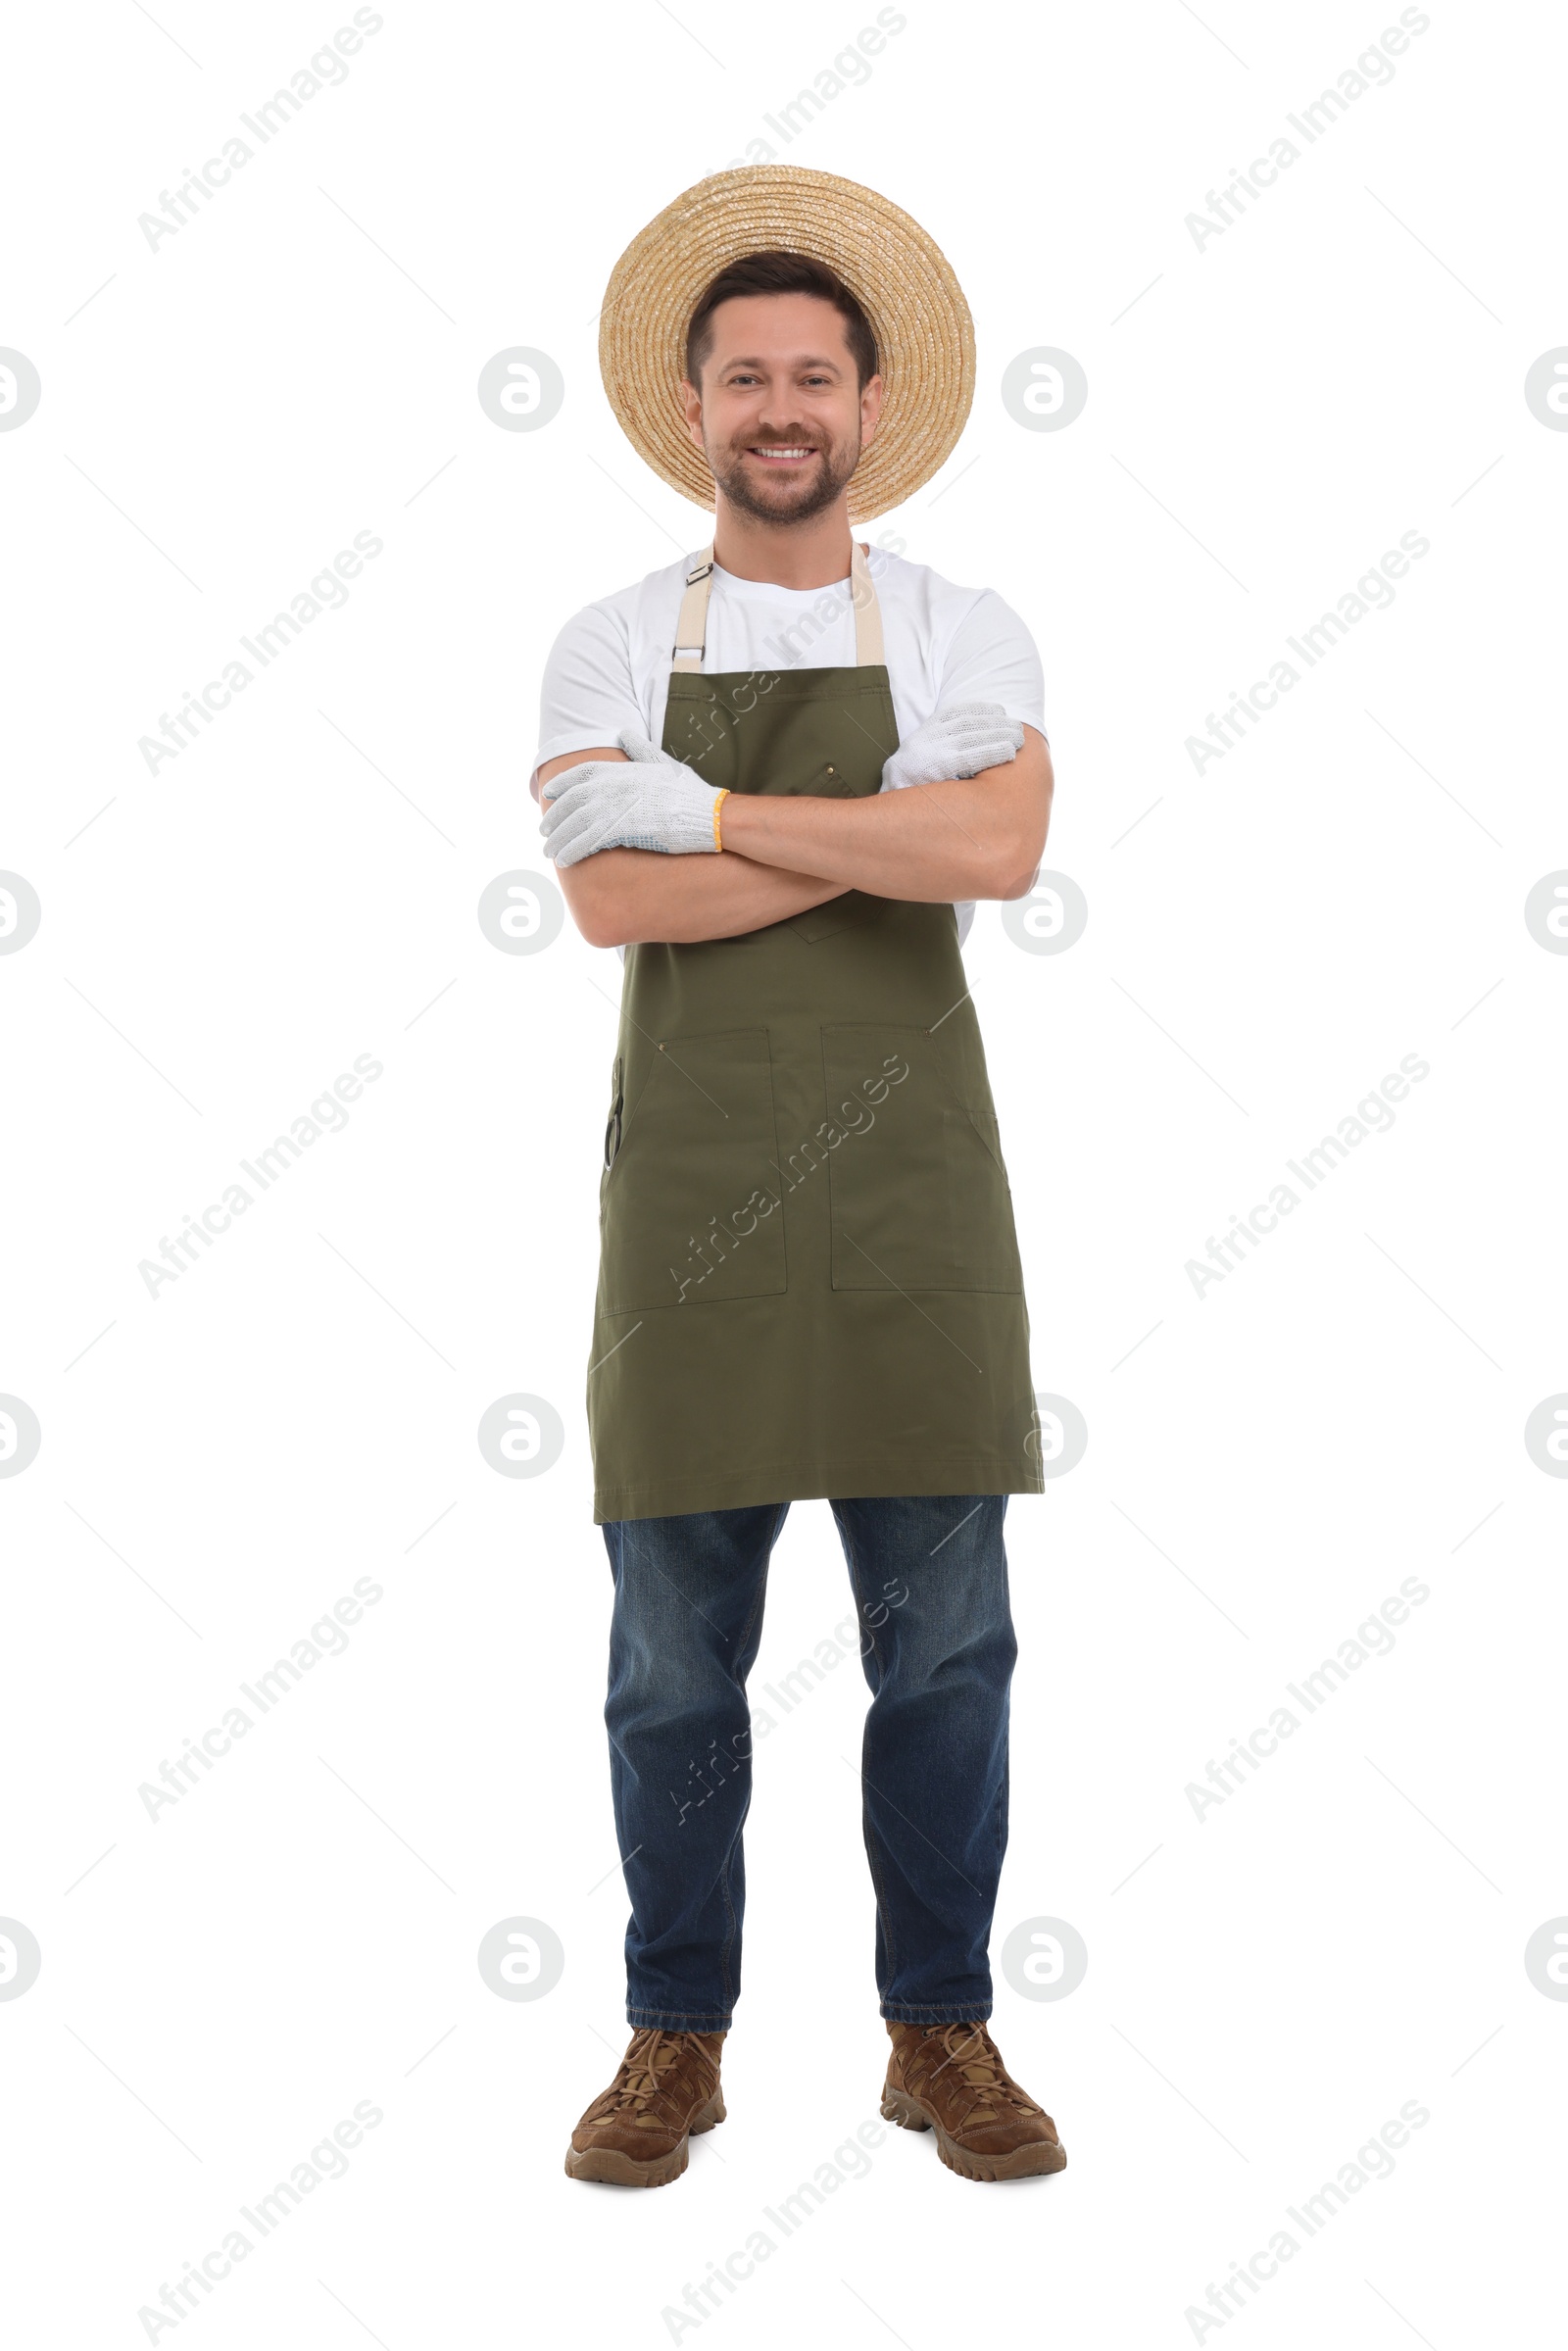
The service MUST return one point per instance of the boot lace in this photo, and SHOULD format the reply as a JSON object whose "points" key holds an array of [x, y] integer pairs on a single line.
{"points": [[650, 2056], [973, 2058]]}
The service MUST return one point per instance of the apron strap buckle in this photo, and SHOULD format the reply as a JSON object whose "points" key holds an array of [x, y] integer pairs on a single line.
{"points": [[691, 622]]}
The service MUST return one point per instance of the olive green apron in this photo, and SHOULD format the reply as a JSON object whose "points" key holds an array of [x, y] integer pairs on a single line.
{"points": [[809, 1276]]}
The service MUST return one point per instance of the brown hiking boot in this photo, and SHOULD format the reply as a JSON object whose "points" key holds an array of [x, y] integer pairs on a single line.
{"points": [[950, 2078], [636, 2134]]}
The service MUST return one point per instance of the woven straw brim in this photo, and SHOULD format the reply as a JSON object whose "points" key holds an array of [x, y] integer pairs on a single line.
{"points": [[916, 306]]}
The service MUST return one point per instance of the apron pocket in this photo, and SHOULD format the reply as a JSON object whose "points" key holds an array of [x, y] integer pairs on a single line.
{"points": [[689, 1208], [920, 1195]]}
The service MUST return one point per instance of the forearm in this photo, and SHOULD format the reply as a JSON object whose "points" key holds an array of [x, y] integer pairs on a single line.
{"points": [[625, 894], [980, 838]]}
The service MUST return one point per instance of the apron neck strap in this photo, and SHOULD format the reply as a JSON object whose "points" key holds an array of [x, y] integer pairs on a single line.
{"points": [[691, 626]]}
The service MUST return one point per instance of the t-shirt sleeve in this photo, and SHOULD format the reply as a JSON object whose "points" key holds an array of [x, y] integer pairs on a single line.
{"points": [[587, 695], [993, 658]]}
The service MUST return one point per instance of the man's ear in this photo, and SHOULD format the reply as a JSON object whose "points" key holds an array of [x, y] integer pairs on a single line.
{"points": [[870, 410], [692, 402]]}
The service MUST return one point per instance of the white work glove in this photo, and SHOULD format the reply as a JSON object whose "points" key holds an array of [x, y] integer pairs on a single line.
{"points": [[646, 800], [959, 740]]}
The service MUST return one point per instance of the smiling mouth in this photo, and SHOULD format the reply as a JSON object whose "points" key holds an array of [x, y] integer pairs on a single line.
{"points": [[787, 454]]}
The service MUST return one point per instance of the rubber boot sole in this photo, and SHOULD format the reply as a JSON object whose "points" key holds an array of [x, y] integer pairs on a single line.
{"points": [[612, 2169], [1025, 2162]]}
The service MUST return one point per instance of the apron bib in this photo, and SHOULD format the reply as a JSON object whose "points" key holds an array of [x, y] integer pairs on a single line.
{"points": [[808, 1277]]}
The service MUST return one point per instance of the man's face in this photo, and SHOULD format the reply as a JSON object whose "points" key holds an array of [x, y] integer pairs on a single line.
{"points": [[779, 415]]}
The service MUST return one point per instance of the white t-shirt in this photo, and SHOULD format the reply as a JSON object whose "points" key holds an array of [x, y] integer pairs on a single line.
{"points": [[609, 666]]}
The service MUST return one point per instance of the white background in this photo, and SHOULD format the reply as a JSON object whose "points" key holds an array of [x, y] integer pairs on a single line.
{"points": [[219, 940]]}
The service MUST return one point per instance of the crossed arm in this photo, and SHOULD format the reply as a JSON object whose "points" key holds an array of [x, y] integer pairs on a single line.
{"points": [[981, 837]]}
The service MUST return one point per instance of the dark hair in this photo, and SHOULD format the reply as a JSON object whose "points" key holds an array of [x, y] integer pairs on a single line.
{"points": [[781, 274]]}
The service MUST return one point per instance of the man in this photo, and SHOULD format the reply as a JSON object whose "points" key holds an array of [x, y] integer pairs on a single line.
{"points": [[779, 787]]}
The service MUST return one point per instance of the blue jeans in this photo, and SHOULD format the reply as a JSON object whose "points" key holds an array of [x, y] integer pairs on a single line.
{"points": [[933, 1629]]}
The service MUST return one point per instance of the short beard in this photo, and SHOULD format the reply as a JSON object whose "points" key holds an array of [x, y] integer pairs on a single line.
{"points": [[836, 469]]}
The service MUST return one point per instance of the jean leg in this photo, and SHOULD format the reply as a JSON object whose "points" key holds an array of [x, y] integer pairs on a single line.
{"points": [[684, 1633], [930, 1575]]}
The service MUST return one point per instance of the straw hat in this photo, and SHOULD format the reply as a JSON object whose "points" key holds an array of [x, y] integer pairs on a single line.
{"points": [[924, 335]]}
